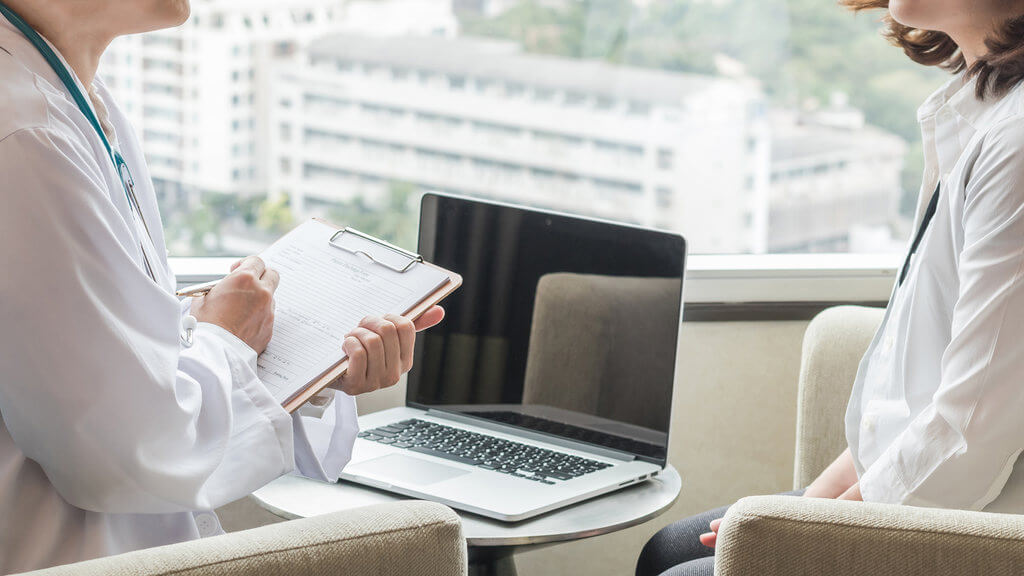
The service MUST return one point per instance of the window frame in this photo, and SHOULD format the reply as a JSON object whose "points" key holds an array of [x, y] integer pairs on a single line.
{"points": [[737, 287]]}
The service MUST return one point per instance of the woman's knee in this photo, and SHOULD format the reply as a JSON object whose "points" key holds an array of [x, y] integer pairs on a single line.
{"points": [[675, 544]]}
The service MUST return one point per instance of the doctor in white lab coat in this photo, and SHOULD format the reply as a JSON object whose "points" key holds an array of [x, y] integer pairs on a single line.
{"points": [[116, 434]]}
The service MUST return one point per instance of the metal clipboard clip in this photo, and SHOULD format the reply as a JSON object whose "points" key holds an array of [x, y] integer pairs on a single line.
{"points": [[388, 255]]}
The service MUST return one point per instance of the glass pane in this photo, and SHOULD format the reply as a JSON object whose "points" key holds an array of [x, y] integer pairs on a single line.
{"points": [[748, 126]]}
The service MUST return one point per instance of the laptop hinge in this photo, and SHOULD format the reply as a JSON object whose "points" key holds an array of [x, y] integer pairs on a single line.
{"points": [[537, 436]]}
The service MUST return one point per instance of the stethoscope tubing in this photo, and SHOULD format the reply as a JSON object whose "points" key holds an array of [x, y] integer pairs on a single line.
{"points": [[127, 182]]}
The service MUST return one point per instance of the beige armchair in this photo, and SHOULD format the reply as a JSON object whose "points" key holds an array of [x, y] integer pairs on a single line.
{"points": [[419, 538], [768, 535]]}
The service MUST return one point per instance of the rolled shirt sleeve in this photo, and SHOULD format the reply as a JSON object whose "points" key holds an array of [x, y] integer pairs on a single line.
{"points": [[960, 450]]}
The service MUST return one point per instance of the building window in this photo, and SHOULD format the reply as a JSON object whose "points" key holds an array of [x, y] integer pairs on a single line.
{"points": [[664, 159], [575, 99], [663, 197]]}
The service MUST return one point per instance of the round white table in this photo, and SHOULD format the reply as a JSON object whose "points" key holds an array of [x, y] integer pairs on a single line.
{"points": [[492, 543]]}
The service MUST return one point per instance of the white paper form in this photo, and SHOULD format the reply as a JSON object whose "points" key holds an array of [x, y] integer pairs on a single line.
{"points": [[324, 293]]}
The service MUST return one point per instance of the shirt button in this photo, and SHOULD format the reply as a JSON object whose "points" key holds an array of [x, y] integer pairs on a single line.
{"points": [[207, 524], [868, 423]]}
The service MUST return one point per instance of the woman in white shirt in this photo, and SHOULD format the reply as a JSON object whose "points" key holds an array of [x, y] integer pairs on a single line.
{"points": [[935, 414], [119, 430]]}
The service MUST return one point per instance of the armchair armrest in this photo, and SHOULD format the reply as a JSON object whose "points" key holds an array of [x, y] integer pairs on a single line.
{"points": [[780, 535], [400, 538]]}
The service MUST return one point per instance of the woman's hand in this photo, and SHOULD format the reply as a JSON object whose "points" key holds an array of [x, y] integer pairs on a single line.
{"points": [[242, 303], [380, 350], [835, 480], [709, 539], [852, 494], [839, 480]]}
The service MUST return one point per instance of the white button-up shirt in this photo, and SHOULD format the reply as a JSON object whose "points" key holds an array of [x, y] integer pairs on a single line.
{"points": [[936, 417], [115, 435]]}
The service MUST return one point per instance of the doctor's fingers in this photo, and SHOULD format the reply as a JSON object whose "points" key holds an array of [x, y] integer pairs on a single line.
{"points": [[389, 335], [252, 264], [406, 338], [376, 364], [354, 380], [272, 278]]}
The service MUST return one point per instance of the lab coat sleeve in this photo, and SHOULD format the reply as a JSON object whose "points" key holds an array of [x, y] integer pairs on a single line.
{"points": [[960, 451], [323, 442], [96, 388]]}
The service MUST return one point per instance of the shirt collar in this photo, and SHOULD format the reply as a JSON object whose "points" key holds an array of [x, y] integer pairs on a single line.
{"points": [[942, 96], [15, 42], [957, 99]]}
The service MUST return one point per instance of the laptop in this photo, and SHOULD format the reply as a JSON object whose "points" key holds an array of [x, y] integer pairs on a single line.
{"points": [[550, 380]]}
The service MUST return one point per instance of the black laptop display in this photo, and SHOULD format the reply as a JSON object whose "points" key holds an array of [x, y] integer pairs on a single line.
{"points": [[563, 326]]}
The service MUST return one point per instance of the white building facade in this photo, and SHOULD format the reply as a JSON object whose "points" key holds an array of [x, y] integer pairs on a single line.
{"points": [[681, 152], [326, 102], [192, 91], [833, 180]]}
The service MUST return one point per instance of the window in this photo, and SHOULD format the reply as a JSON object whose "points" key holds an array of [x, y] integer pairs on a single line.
{"points": [[664, 159], [623, 114], [663, 198]]}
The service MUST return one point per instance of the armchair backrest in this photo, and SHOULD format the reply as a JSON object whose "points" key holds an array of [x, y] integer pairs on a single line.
{"points": [[582, 323], [834, 344]]}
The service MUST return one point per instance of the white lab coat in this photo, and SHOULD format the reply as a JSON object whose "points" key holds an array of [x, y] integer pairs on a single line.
{"points": [[115, 436], [935, 415]]}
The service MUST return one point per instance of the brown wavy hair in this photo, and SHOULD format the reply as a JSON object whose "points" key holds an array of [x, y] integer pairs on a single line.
{"points": [[997, 71]]}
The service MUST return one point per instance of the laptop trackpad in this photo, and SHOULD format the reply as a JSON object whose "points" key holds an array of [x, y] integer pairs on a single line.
{"points": [[407, 470]]}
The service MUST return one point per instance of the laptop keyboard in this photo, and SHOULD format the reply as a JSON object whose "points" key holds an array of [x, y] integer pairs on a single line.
{"points": [[488, 452], [573, 432]]}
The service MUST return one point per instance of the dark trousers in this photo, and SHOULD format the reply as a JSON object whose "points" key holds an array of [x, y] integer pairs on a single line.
{"points": [[676, 549]]}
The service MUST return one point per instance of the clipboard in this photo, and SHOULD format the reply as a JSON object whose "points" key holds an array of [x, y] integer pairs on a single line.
{"points": [[374, 252], [392, 257]]}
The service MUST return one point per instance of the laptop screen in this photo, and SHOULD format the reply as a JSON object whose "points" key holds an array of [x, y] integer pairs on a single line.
{"points": [[563, 326]]}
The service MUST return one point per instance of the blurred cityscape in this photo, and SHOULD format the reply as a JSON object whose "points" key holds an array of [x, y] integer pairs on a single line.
{"points": [[749, 126]]}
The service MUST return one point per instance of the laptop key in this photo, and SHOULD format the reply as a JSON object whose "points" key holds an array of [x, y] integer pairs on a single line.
{"points": [[444, 455], [507, 457]]}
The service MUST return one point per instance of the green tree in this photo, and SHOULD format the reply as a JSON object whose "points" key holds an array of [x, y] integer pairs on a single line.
{"points": [[202, 224], [395, 220], [275, 215]]}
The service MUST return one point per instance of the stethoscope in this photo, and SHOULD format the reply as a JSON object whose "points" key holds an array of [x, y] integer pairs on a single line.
{"points": [[83, 104]]}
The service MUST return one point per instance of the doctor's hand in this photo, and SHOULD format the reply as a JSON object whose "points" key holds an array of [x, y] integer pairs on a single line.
{"points": [[242, 303], [380, 350]]}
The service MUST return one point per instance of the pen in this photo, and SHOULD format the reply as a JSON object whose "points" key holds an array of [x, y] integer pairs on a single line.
{"points": [[197, 289]]}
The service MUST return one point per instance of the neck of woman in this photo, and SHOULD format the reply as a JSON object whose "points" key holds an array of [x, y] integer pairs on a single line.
{"points": [[77, 33]]}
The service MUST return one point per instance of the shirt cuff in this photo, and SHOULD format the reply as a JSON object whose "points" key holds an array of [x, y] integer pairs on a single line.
{"points": [[882, 483], [323, 446]]}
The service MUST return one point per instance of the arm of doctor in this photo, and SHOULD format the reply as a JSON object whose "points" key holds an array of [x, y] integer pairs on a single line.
{"points": [[96, 388]]}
